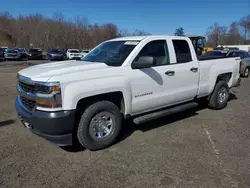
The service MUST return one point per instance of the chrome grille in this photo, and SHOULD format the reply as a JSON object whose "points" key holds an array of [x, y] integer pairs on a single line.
{"points": [[27, 87], [28, 103]]}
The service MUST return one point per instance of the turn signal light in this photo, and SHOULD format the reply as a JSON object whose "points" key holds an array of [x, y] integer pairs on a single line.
{"points": [[46, 104]]}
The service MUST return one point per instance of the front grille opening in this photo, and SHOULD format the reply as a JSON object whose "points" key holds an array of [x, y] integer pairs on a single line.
{"points": [[27, 87], [28, 103]]}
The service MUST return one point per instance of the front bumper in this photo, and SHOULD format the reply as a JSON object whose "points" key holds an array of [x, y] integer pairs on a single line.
{"points": [[56, 127], [56, 57], [75, 57], [12, 57], [35, 57]]}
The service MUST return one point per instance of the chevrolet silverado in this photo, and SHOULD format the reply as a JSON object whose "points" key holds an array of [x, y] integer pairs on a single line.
{"points": [[140, 77]]}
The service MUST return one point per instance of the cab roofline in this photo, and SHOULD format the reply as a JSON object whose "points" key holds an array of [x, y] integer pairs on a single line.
{"points": [[140, 38]]}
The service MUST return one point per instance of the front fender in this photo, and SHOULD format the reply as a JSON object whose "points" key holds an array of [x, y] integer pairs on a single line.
{"points": [[75, 91]]}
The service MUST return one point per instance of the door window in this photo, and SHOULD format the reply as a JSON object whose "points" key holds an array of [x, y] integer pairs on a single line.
{"points": [[156, 49], [182, 51]]}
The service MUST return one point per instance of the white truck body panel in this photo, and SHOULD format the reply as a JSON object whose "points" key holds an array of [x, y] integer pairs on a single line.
{"points": [[81, 79]]}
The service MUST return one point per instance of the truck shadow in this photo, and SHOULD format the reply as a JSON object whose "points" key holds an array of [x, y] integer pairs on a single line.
{"points": [[232, 96], [130, 127], [7, 122]]}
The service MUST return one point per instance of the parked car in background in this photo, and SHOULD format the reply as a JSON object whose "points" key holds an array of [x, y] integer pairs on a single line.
{"points": [[84, 52], [74, 54], [56, 54], [215, 53], [35, 53], [2, 51], [16, 54], [4, 48], [245, 61]]}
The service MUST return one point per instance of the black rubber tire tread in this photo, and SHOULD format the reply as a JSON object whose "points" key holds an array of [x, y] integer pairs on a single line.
{"points": [[245, 71], [213, 103], [83, 135]]}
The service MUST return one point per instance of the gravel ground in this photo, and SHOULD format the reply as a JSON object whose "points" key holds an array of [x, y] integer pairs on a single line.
{"points": [[202, 148]]}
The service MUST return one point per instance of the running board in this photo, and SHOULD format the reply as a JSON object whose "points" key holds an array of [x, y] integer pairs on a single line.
{"points": [[165, 112]]}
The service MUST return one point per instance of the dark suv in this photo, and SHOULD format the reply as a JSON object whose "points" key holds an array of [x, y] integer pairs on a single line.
{"points": [[35, 53], [57, 54]]}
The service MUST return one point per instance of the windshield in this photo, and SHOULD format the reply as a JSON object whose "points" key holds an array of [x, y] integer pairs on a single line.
{"points": [[74, 51], [55, 51], [12, 51], [112, 53]]}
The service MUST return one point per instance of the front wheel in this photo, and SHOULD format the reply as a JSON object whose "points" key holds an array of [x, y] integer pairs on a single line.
{"points": [[99, 126], [220, 96]]}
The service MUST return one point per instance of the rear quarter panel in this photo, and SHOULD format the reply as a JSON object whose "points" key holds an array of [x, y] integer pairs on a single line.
{"points": [[211, 69]]}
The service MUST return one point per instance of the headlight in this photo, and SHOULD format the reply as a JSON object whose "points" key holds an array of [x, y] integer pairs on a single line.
{"points": [[48, 94]]}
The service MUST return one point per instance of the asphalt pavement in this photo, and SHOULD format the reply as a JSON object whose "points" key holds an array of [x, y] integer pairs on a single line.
{"points": [[198, 148]]}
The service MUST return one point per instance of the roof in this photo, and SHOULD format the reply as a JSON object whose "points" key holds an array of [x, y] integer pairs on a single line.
{"points": [[139, 38]]}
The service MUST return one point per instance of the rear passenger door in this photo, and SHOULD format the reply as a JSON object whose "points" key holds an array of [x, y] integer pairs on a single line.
{"points": [[185, 80]]}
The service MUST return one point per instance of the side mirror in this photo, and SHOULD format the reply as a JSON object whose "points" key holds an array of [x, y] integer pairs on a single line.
{"points": [[143, 62]]}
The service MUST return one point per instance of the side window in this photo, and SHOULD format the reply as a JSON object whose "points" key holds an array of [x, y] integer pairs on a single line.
{"points": [[182, 51], [246, 55], [242, 55], [156, 49]]}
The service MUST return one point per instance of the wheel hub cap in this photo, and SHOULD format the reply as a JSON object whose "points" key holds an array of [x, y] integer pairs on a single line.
{"points": [[101, 126], [222, 95]]}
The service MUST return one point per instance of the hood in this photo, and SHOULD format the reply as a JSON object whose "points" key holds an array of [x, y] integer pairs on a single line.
{"points": [[45, 71], [12, 52]]}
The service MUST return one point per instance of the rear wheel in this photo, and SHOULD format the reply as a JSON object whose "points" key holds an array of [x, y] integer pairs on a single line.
{"points": [[99, 126], [246, 72], [219, 97]]}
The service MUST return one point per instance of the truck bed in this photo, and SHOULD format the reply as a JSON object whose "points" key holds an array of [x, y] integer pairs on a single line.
{"points": [[212, 57]]}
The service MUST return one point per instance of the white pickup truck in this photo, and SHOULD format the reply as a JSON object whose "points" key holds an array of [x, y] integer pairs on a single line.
{"points": [[140, 77]]}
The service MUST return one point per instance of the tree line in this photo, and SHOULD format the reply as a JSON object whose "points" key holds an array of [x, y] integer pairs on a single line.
{"points": [[36, 30], [238, 33]]}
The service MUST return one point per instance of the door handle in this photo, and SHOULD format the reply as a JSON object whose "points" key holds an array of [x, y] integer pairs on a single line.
{"points": [[170, 73], [194, 69]]}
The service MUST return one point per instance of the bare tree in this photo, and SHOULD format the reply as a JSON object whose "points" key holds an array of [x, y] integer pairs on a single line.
{"points": [[216, 35], [139, 32], [245, 27], [233, 35]]}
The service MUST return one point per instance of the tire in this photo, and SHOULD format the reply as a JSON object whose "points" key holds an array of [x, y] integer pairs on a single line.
{"points": [[214, 101], [90, 140], [246, 72]]}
